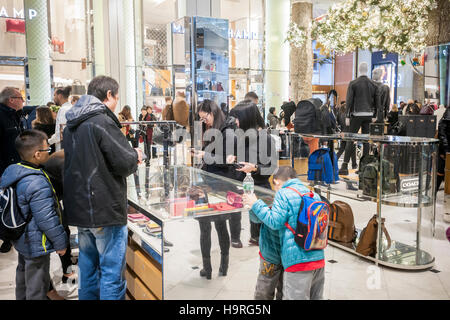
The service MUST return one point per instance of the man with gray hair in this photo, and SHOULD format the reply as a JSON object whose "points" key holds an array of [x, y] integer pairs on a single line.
{"points": [[11, 105], [385, 96], [363, 102]]}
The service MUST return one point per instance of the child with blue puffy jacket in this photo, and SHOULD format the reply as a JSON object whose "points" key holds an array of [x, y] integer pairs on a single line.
{"points": [[37, 201], [304, 271]]}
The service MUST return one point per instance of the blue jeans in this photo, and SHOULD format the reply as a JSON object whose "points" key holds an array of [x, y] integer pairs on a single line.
{"points": [[101, 263]]}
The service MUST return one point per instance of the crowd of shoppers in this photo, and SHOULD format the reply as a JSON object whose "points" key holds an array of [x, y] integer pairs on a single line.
{"points": [[89, 176]]}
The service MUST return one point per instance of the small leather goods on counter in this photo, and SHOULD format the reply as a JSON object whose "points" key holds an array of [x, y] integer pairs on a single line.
{"points": [[153, 227], [137, 217], [367, 244], [177, 206], [234, 199]]}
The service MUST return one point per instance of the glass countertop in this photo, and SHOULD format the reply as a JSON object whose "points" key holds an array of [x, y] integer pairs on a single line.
{"points": [[365, 137], [186, 192]]}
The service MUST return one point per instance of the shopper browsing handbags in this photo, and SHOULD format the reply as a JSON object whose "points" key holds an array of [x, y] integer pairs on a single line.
{"points": [[256, 157], [98, 160], [304, 271], [213, 118]]}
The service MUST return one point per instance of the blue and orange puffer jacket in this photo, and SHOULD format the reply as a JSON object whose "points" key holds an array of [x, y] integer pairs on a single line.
{"points": [[44, 233], [285, 209]]}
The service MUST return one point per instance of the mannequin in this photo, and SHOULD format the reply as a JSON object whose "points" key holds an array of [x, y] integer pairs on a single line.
{"points": [[363, 99], [385, 97]]}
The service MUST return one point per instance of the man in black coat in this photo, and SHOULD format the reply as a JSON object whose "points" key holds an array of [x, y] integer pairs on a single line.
{"points": [[363, 102], [98, 159], [11, 105]]}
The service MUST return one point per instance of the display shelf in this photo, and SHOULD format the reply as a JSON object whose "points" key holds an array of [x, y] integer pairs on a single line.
{"points": [[417, 157], [212, 91], [202, 73], [152, 245], [395, 199]]}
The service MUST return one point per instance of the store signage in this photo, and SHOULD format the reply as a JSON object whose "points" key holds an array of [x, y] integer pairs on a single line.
{"points": [[409, 184], [18, 14], [232, 34], [242, 34]]}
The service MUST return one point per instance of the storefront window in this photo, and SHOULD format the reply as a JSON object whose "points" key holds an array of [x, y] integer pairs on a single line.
{"points": [[322, 68], [158, 15], [70, 48], [246, 47], [13, 48]]}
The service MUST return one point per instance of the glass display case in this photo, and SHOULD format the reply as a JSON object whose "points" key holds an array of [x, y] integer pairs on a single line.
{"points": [[405, 167], [210, 59], [173, 200]]}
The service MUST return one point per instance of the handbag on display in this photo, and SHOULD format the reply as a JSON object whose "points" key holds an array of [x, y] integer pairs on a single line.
{"points": [[15, 25], [78, 89], [367, 245]]}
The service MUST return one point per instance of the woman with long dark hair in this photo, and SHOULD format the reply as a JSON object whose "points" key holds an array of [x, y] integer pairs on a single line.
{"points": [[45, 122], [248, 118], [213, 118]]}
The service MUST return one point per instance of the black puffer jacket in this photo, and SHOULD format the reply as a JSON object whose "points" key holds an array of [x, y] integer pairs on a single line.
{"points": [[444, 133], [98, 158]]}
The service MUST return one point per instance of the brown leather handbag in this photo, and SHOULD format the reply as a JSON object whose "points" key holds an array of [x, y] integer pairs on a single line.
{"points": [[367, 244], [341, 225]]}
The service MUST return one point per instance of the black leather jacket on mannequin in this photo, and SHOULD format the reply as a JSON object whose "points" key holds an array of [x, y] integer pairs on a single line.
{"points": [[363, 98]]}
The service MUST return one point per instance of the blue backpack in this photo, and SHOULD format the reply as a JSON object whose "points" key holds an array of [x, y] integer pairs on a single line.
{"points": [[320, 167], [312, 223]]}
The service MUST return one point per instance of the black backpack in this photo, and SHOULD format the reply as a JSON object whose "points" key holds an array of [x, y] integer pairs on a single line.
{"points": [[12, 221], [327, 120], [308, 116]]}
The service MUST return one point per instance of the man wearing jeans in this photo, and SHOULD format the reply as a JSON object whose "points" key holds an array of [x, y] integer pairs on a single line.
{"points": [[98, 158]]}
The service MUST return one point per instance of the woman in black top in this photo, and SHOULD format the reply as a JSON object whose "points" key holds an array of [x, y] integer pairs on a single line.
{"points": [[45, 122], [212, 117], [249, 119]]}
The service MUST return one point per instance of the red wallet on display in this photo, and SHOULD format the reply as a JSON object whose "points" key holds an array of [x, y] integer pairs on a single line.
{"points": [[234, 199]]}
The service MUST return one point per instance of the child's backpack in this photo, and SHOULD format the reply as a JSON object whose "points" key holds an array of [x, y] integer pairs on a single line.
{"points": [[320, 167], [12, 221], [342, 224], [312, 223]]}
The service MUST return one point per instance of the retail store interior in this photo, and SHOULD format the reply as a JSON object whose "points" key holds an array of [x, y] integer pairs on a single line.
{"points": [[277, 58]]}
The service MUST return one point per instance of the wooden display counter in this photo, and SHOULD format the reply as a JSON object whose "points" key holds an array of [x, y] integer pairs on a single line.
{"points": [[143, 274]]}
